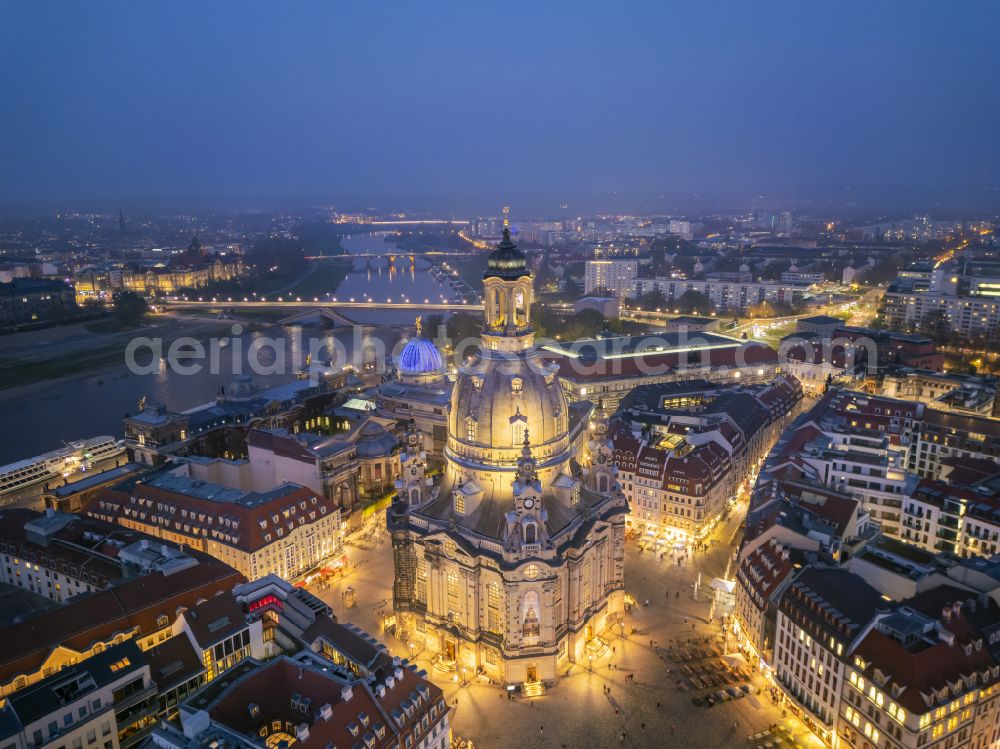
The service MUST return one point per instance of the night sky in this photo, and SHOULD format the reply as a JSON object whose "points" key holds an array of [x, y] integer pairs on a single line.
{"points": [[456, 106]]}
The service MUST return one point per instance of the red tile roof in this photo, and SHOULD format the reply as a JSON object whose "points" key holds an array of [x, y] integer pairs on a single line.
{"points": [[98, 617]]}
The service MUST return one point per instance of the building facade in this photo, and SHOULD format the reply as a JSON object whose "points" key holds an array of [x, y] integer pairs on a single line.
{"points": [[724, 295], [29, 300], [511, 565], [613, 277], [285, 531], [684, 450]]}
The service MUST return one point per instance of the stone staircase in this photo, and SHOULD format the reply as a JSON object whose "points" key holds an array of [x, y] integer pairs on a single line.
{"points": [[445, 666], [532, 689]]}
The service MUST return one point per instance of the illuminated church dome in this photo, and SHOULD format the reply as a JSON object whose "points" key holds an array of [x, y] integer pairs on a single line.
{"points": [[420, 356], [420, 361]]}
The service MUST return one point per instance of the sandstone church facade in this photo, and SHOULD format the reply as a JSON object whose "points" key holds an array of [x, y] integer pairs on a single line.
{"points": [[512, 565]]}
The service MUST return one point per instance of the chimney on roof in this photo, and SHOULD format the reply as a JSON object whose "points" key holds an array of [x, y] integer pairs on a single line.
{"points": [[346, 693], [326, 711], [398, 673]]}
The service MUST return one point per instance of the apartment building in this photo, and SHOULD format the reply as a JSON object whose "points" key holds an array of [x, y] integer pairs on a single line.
{"points": [[613, 277], [821, 616], [684, 449], [60, 555], [106, 702], [925, 675], [724, 294], [287, 530]]}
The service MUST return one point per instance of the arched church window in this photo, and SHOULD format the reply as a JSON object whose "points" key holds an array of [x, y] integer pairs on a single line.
{"points": [[530, 533], [531, 625], [470, 429]]}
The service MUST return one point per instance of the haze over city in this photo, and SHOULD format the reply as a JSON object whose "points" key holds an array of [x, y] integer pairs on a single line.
{"points": [[395, 375], [462, 106]]}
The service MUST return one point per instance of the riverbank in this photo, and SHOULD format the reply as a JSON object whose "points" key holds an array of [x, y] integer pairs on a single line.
{"points": [[36, 361]]}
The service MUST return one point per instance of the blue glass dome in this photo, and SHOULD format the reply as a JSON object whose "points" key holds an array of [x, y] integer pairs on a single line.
{"points": [[420, 356]]}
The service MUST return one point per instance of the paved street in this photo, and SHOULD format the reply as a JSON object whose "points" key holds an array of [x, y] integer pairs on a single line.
{"points": [[651, 708]]}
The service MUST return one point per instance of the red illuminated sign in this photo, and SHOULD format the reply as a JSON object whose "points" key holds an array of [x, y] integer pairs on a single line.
{"points": [[268, 600]]}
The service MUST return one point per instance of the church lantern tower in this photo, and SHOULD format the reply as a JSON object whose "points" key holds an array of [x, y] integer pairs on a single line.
{"points": [[508, 294]]}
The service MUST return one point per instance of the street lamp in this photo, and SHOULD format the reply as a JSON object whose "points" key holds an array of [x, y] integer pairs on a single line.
{"points": [[590, 658]]}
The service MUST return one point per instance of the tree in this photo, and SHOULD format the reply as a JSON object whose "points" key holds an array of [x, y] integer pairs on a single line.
{"points": [[694, 302], [274, 257], [571, 290], [884, 271], [773, 270], [770, 309], [92, 306], [130, 308], [463, 325], [763, 309], [584, 324], [935, 325], [652, 300], [430, 326]]}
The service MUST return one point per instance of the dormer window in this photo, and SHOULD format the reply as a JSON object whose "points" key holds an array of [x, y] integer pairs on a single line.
{"points": [[518, 428]]}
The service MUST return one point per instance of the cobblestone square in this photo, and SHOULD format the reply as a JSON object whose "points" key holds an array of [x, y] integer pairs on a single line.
{"points": [[633, 695]]}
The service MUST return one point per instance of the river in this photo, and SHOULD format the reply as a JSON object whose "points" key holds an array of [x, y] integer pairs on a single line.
{"points": [[38, 418], [377, 279]]}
